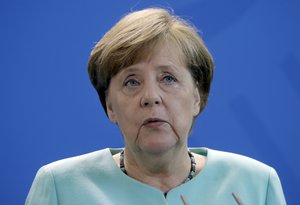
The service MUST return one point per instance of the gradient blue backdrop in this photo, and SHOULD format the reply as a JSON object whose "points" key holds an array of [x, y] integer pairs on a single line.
{"points": [[49, 110]]}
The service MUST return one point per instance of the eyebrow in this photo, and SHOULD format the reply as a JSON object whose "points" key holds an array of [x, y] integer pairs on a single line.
{"points": [[134, 69], [167, 67], [130, 70]]}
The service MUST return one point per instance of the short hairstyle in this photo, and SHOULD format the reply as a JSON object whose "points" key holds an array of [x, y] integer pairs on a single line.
{"points": [[139, 31]]}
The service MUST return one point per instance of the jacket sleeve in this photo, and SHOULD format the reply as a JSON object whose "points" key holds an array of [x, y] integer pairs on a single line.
{"points": [[275, 194], [43, 190]]}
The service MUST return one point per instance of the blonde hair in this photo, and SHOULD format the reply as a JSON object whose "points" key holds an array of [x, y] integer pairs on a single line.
{"points": [[123, 45]]}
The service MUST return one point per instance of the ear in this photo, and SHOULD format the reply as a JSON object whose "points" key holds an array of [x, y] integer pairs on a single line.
{"points": [[109, 108], [197, 101]]}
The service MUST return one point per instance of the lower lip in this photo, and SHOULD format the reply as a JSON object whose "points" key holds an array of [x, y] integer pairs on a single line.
{"points": [[154, 124]]}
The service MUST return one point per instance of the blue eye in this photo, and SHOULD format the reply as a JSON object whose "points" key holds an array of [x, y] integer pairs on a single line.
{"points": [[131, 83], [169, 79]]}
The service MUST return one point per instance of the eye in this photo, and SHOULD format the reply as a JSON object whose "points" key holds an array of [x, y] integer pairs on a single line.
{"points": [[169, 79], [131, 83]]}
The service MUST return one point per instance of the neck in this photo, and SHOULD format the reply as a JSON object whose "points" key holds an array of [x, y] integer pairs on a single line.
{"points": [[163, 171]]}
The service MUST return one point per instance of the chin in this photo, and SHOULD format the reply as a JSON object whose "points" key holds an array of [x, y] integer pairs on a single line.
{"points": [[156, 148]]}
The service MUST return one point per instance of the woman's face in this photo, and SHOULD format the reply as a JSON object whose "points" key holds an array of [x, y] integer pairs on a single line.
{"points": [[154, 101]]}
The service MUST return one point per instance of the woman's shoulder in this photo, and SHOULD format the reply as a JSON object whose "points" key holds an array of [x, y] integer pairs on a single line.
{"points": [[237, 160], [250, 178], [88, 161], [232, 162]]}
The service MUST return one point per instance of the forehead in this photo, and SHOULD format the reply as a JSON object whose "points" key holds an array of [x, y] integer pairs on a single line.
{"points": [[162, 48], [161, 59], [163, 55]]}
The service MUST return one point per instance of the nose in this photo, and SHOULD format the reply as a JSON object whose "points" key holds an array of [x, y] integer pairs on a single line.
{"points": [[150, 96]]}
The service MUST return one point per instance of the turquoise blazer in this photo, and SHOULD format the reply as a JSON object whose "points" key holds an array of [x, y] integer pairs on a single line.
{"points": [[95, 179]]}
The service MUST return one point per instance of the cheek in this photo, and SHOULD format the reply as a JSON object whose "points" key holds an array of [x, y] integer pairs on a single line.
{"points": [[124, 113], [182, 112]]}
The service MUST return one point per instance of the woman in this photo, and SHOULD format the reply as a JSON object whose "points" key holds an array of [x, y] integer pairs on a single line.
{"points": [[153, 74]]}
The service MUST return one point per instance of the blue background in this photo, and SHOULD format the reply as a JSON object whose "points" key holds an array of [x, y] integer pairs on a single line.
{"points": [[49, 110]]}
